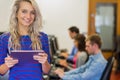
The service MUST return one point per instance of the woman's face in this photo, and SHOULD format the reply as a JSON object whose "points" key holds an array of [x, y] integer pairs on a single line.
{"points": [[25, 14]]}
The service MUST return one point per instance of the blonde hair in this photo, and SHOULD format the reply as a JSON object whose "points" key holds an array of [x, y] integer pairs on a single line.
{"points": [[34, 28]]}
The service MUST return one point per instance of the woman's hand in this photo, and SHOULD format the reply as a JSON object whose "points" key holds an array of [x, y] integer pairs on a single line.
{"points": [[41, 57], [10, 62]]}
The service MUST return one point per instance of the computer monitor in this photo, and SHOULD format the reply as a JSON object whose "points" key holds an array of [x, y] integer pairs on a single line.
{"points": [[1, 33], [53, 45]]}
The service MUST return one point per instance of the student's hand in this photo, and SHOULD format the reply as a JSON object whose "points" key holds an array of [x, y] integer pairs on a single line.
{"points": [[59, 72], [10, 62], [41, 57], [63, 63]]}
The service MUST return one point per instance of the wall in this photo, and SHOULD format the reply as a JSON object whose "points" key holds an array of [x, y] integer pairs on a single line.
{"points": [[58, 16], [4, 14]]}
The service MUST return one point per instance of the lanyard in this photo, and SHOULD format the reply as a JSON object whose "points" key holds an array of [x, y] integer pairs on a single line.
{"points": [[9, 45]]}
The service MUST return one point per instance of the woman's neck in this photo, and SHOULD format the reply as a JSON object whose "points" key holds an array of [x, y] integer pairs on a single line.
{"points": [[23, 30]]}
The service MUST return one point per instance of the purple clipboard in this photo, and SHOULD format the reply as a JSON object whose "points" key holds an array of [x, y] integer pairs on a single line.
{"points": [[25, 56]]}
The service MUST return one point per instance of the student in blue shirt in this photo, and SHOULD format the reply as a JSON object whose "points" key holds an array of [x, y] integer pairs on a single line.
{"points": [[73, 31], [95, 66], [25, 24]]}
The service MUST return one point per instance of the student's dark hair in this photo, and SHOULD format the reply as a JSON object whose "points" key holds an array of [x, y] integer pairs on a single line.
{"points": [[95, 39], [74, 29], [80, 38]]}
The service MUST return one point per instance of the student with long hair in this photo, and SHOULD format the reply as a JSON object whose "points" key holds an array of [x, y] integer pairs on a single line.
{"points": [[81, 55]]}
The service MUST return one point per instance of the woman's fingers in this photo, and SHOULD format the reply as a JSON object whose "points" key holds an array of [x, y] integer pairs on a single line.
{"points": [[41, 57], [10, 62]]}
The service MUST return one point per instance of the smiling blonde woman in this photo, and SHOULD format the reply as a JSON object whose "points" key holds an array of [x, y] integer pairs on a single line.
{"points": [[25, 25]]}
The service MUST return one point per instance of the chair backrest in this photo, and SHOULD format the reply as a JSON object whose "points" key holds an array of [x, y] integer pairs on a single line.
{"points": [[107, 72]]}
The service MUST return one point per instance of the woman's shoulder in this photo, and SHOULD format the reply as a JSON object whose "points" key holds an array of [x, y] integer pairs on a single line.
{"points": [[83, 53], [43, 35], [5, 36]]}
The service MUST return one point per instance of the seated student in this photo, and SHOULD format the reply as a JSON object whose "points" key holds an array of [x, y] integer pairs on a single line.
{"points": [[81, 56], [73, 31], [94, 67]]}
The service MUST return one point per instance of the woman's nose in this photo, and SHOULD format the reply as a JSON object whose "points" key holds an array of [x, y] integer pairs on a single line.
{"points": [[28, 15]]}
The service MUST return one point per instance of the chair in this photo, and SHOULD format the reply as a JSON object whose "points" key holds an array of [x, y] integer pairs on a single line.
{"points": [[107, 72]]}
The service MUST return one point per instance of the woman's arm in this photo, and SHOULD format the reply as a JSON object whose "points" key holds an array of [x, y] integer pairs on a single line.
{"points": [[46, 47], [82, 57], [46, 67], [42, 58], [9, 62], [3, 54], [3, 69]]}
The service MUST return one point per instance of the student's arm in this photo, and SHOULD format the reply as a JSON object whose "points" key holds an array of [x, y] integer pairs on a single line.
{"points": [[46, 67], [44, 59], [67, 75], [5, 62], [9, 62], [94, 71], [76, 71], [73, 52], [3, 54], [82, 57], [3, 69]]}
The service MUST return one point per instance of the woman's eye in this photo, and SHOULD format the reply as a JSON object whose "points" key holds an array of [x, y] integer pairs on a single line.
{"points": [[24, 11], [33, 12]]}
